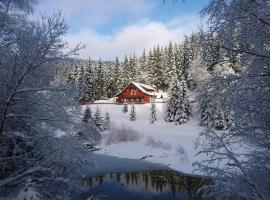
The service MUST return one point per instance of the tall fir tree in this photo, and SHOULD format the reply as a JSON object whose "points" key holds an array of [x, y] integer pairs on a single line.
{"points": [[132, 72], [125, 72], [143, 70], [117, 82], [100, 81], [89, 83], [178, 106], [186, 62], [156, 75], [72, 76], [178, 62], [169, 64]]}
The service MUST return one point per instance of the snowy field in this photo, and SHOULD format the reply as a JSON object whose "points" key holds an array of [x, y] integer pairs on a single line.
{"points": [[161, 142]]}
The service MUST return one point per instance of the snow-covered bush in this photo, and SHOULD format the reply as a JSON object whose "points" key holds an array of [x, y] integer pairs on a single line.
{"points": [[125, 107], [153, 116], [122, 134], [156, 143], [87, 115], [107, 122], [132, 115]]}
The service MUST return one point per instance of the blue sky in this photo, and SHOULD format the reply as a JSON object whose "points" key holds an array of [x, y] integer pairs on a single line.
{"points": [[112, 28]]}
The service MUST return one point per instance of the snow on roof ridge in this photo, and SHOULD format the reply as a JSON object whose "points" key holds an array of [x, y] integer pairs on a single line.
{"points": [[144, 85], [138, 85]]}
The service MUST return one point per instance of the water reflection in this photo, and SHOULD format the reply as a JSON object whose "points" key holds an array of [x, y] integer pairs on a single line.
{"points": [[143, 185]]}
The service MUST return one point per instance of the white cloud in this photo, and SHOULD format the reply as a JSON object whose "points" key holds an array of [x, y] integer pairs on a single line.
{"points": [[133, 38], [97, 11]]}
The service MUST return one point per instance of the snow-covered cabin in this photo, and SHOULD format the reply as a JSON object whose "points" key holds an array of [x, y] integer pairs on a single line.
{"points": [[136, 93]]}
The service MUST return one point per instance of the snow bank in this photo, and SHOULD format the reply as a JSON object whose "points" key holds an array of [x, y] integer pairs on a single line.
{"points": [[180, 151]]}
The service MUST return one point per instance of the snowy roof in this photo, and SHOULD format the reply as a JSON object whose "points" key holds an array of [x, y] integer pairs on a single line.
{"points": [[148, 87], [142, 87]]}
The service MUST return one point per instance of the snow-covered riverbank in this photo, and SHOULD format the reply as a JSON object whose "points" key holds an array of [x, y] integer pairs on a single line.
{"points": [[161, 142]]}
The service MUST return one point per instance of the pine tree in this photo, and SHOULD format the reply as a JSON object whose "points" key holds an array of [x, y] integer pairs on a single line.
{"points": [[125, 107], [178, 106], [98, 121], [132, 72], [186, 62], [73, 74], [143, 70], [107, 121], [89, 83], [153, 118], [81, 79], [125, 72], [206, 115], [100, 81], [178, 62], [156, 71], [132, 113], [117, 82], [169, 64]]}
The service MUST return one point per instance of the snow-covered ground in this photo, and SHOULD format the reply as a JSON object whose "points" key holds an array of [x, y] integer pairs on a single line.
{"points": [[161, 142]]}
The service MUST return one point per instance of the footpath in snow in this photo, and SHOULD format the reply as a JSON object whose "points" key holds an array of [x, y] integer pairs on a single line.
{"points": [[161, 142]]}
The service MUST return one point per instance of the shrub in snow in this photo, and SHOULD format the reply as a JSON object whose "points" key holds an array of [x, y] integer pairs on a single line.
{"points": [[132, 113], [156, 143], [125, 107], [87, 115], [178, 105], [153, 117], [107, 121], [98, 121], [122, 134]]}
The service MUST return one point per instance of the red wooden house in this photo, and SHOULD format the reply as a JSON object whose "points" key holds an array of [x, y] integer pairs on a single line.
{"points": [[136, 93]]}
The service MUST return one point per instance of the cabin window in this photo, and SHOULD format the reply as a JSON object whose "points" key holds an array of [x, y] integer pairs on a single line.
{"points": [[133, 92]]}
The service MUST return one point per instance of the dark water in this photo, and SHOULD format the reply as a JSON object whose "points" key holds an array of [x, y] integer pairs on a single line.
{"points": [[158, 185]]}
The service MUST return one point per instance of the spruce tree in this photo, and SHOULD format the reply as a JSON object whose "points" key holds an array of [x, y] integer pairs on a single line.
{"points": [[100, 81], [143, 69], [178, 105], [153, 117], [125, 106], [169, 64], [186, 63], [125, 72], [207, 115], [156, 75], [117, 82], [132, 72], [178, 62], [98, 121], [107, 121], [132, 113], [73, 74], [89, 88], [81, 79]]}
